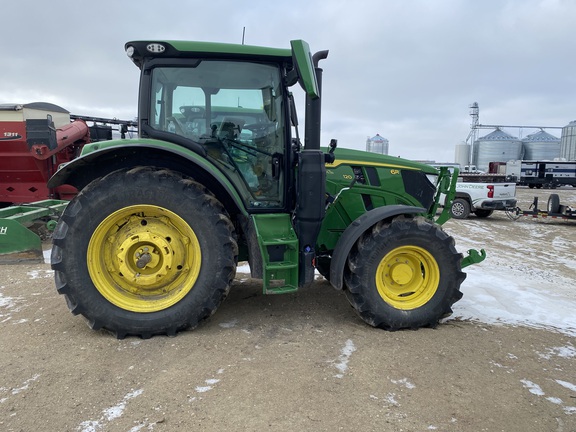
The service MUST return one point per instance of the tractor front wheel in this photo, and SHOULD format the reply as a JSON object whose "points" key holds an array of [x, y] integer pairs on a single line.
{"points": [[404, 274], [144, 251]]}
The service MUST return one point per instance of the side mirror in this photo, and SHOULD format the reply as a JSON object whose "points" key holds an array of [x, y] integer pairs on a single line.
{"points": [[329, 157], [332, 146], [304, 66]]}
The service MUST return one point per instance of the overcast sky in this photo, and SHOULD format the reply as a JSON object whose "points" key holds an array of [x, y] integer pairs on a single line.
{"points": [[405, 69]]}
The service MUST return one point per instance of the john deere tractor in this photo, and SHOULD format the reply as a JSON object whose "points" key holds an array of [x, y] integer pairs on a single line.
{"points": [[219, 175]]}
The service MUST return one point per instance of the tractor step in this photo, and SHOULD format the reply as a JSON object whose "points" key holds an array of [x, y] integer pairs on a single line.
{"points": [[279, 247]]}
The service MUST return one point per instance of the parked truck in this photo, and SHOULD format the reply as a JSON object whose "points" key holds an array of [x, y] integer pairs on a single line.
{"points": [[219, 175], [482, 198]]}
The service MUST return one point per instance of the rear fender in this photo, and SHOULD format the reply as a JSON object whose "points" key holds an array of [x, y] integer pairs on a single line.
{"points": [[116, 155], [355, 230]]}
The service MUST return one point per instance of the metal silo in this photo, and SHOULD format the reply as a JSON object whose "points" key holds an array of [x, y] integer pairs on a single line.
{"points": [[497, 146], [377, 144], [568, 141], [462, 154], [541, 146]]}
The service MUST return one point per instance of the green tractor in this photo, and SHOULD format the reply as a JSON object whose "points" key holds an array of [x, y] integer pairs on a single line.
{"points": [[218, 175]]}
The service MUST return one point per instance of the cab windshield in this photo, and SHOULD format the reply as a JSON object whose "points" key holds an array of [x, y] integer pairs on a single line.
{"points": [[234, 109]]}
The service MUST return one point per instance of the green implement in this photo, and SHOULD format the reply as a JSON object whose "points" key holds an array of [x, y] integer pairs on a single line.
{"points": [[18, 243]]}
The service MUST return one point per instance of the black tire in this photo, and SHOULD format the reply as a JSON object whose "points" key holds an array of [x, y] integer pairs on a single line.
{"points": [[460, 208], [553, 203], [483, 213], [144, 251], [380, 286]]}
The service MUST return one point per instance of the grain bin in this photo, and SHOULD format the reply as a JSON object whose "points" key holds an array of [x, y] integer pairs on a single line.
{"points": [[541, 146], [462, 154], [377, 144], [568, 142], [497, 146]]}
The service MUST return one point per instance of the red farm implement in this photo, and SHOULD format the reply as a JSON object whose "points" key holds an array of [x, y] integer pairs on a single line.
{"points": [[35, 139]]}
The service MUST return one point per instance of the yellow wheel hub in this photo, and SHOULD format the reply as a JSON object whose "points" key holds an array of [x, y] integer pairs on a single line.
{"points": [[407, 277], [144, 258]]}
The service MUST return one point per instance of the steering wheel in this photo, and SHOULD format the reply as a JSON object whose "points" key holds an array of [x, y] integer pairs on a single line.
{"points": [[194, 111], [259, 129]]}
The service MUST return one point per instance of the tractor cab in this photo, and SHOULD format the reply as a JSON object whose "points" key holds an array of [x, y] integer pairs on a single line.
{"points": [[235, 112], [231, 107]]}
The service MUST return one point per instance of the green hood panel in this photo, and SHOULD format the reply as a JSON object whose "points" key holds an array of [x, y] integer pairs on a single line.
{"points": [[363, 158]]}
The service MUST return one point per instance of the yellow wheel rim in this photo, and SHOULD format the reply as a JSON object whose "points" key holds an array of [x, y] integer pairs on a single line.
{"points": [[144, 258], [407, 277]]}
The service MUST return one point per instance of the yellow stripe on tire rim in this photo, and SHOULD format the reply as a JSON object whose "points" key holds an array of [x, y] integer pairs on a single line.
{"points": [[144, 258], [407, 277]]}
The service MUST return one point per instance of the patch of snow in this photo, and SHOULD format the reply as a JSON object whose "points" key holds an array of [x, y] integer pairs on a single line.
{"points": [[117, 410], [567, 351], [344, 358], [537, 390], [7, 302], [404, 382], [494, 295], [244, 268], [203, 389], [532, 387], [567, 385], [210, 383], [527, 277], [229, 324], [391, 399], [25, 385], [108, 414], [39, 274], [47, 254]]}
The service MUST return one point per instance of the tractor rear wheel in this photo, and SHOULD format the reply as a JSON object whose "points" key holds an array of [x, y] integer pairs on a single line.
{"points": [[404, 274], [144, 251]]}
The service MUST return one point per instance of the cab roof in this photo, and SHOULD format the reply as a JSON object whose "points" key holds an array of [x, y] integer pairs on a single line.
{"points": [[140, 50]]}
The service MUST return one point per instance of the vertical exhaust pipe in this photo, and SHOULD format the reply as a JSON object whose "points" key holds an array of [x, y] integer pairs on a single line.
{"points": [[314, 108], [311, 189]]}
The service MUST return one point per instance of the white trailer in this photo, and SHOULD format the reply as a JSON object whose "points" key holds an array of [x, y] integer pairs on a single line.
{"points": [[547, 173]]}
